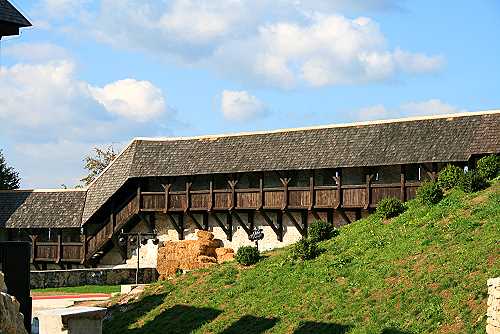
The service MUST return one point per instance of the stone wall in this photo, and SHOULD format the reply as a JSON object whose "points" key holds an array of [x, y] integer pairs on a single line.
{"points": [[493, 320], [95, 276], [11, 320]]}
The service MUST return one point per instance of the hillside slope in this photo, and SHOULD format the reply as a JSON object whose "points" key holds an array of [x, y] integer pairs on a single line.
{"points": [[422, 272]]}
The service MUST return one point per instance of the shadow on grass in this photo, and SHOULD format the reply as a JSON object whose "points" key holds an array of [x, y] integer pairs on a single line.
{"points": [[321, 328], [177, 319], [250, 325]]}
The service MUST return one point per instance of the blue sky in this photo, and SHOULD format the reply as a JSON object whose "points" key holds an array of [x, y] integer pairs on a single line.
{"points": [[91, 73]]}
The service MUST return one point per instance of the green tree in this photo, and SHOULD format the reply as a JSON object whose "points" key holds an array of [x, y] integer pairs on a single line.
{"points": [[9, 178], [97, 161]]}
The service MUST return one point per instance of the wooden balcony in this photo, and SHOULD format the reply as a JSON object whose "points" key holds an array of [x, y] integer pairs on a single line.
{"points": [[276, 198]]}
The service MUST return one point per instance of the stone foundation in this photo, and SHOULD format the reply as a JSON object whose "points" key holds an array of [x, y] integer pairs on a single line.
{"points": [[493, 320], [95, 276]]}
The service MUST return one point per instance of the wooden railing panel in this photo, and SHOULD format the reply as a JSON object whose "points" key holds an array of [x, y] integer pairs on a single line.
{"points": [[248, 200], [71, 251], [222, 200], [382, 192], [411, 192], [153, 201], [299, 198], [273, 198], [354, 197], [178, 201], [326, 198], [200, 201], [46, 251]]}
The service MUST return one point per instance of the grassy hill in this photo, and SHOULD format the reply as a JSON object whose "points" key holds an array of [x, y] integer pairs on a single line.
{"points": [[422, 272]]}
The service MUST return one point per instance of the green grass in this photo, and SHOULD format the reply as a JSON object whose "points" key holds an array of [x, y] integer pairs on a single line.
{"points": [[81, 289], [423, 272]]}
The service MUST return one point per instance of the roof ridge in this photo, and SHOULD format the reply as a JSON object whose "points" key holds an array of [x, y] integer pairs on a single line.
{"points": [[42, 190], [326, 126]]}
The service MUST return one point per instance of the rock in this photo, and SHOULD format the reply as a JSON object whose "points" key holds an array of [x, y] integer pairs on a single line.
{"points": [[3, 287], [11, 320]]}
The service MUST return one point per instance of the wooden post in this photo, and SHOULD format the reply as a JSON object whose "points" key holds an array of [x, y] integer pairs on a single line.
{"points": [[403, 183], [188, 196], [138, 198], [59, 246], [368, 191], [211, 204], [166, 187], [285, 182], [181, 227], [279, 222], [232, 184], [338, 180], [311, 190], [304, 217], [33, 247], [261, 191]]}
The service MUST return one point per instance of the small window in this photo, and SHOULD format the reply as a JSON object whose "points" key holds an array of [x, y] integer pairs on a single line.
{"points": [[248, 180], [272, 180], [324, 177]]}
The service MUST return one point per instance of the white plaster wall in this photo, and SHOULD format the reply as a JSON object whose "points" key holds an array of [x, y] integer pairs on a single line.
{"points": [[166, 232]]}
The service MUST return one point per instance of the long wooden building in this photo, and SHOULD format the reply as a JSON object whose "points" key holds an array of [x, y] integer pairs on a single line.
{"points": [[277, 180]]}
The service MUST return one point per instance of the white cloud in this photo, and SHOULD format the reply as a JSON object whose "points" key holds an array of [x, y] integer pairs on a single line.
{"points": [[241, 106], [282, 43], [38, 95], [35, 52], [136, 100], [409, 109]]}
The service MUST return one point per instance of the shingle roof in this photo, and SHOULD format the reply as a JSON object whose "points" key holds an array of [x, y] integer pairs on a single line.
{"points": [[41, 209], [446, 138], [9, 14]]}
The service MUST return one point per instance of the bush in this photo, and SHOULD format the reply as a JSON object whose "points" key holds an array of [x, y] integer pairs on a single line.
{"points": [[247, 255], [473, 181], [320, 230], [430, 193], [489, 167], [305, 249], [449, 177], [390, 207]]}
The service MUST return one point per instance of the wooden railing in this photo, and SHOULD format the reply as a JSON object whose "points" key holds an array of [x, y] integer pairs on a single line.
{"points": [[57, 251], [314, 197], [115, 222]]}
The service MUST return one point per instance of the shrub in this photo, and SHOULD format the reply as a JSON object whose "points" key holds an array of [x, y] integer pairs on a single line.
{"points": [[430, 193], [390, 207], [320, 230], [449, 177], [305, 249], [247, 255], [489, 167], [473, 181]]}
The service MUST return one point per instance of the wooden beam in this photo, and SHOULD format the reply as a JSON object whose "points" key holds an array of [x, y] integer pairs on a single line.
{"points": [[179, 226], [368, 190], [311, 190], [302, 229], [211, 205], [402, 195], [344, 216], [247, 229], [338, 181], [278, 228], [59, 246], [261, 191], [227, 230], [205, 221], [138, 198], [315, 215], [232, 185], [188, 196], [166, 187], [194, 220], [285, 182]]}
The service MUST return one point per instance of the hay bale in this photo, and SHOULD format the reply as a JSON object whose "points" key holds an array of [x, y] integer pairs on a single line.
{"points": [[204, 235]]}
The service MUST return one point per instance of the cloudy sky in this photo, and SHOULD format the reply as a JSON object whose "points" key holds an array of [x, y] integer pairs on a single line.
{"points": [[98, 72]]}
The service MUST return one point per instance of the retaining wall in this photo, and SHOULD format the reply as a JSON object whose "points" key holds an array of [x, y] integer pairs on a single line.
{"points": [[94, 276]]}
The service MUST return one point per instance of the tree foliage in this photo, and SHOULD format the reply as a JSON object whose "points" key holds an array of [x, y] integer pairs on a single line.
{"points": [[9, 178], [97, 161]]}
